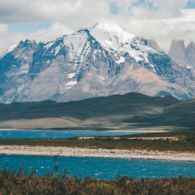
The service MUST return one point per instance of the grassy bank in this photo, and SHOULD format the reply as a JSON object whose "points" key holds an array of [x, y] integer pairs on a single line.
{"points": [[169, 141]]}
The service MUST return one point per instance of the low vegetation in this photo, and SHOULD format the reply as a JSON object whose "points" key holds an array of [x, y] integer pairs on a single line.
{"points": [[170, 141], [18, 184]]}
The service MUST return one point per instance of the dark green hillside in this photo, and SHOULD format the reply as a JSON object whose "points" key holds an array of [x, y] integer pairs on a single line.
{"points": [[179, 115], [131, 110], [129, 104]]}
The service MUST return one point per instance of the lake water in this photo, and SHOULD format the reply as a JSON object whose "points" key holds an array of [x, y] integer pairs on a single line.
{"points": [[99, 168], [49, 134]]}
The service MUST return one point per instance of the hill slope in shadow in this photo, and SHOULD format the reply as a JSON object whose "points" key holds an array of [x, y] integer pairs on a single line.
{"points": [[132, 109]]}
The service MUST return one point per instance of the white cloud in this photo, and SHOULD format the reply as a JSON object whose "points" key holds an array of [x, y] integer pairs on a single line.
{"points": [[3, 28], [166, 29], [150, 8], [75, 12], [8, 39], [161, 20], [71, 12], [47, 34]]}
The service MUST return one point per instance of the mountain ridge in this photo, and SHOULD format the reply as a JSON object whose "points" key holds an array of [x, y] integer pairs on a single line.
{"points": [[99, 61]]}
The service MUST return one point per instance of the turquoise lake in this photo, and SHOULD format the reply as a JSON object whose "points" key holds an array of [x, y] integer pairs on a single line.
{"points": [[99, 168], [51, 134]]}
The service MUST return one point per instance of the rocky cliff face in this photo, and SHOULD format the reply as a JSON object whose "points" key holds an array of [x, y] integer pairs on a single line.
{"points": [[98, 61], [177, 52], [190, 54], [184, 56]]}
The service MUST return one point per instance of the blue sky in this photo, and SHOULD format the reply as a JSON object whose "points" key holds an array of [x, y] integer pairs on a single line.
{"points": [[27, 27], [190, 5]]}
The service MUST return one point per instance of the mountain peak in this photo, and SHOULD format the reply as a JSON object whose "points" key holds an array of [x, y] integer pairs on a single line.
{"points": [[114, 29], [177, 52], [108, 26], [191, 45], [111, 36]]}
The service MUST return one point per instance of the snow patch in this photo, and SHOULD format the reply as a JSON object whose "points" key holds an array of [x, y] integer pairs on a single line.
{"points": [[121, 60], [70, 84], [78, 47], [71, 75], [189, 67], [57, 50], [24, 69], [116, 30], [102, 78], [116, 39], [48, 45], [11, 48], [112, 36]]}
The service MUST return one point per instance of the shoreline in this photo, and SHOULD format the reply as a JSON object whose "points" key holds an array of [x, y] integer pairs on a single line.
{"points": [[101, 153], [69, 129]]}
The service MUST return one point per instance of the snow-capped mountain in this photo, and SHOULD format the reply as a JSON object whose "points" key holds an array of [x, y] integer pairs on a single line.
{"points": [[102, 60]]}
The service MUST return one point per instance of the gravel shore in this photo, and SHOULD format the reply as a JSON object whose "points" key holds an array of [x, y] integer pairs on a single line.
{"points": [[106, 153]]}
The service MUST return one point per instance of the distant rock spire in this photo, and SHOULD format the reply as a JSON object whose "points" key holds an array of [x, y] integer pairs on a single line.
{"points": [[184, 56], [190, 54], [177, 52]]}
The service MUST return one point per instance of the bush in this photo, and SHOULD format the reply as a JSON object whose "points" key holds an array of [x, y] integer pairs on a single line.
{"points": [[18, 184]]}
